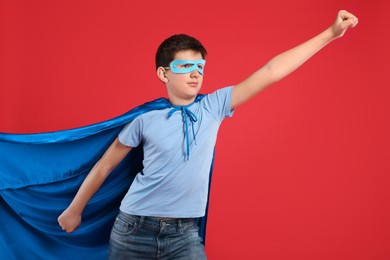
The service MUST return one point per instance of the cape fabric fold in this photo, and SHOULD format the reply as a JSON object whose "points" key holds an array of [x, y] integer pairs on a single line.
{"points": [[40, 175]]}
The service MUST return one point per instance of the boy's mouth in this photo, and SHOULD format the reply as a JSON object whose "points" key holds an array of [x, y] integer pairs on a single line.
{"points": [[193, 84]]}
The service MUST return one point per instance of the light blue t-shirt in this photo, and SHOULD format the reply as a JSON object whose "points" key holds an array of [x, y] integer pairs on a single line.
{"points": [[173, 184]]}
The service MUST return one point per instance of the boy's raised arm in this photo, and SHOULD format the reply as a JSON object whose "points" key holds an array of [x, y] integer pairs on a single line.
{"points": [[286, 62]]}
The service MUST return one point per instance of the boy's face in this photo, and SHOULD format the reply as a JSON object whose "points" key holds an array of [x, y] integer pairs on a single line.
{"points": [[182, 87]]}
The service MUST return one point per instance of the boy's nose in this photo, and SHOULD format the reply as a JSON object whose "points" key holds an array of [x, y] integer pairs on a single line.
{"points": [[195, 73]]}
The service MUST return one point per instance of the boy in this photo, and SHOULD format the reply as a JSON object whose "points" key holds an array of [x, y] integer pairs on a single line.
{"points": [[157, 217]]}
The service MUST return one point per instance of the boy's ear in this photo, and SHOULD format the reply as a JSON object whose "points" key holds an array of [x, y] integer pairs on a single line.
{"points": [[161, 74]]}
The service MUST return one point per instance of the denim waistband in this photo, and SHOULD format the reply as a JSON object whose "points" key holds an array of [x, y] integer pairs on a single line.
{"points": [[155, 224]]}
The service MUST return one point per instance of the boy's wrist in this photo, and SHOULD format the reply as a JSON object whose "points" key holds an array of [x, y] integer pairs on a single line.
{"points": [[329, 35], [73, 209]]}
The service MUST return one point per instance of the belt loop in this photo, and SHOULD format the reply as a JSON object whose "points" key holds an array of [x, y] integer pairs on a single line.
{"points": [[141, 221], [179, 226]]}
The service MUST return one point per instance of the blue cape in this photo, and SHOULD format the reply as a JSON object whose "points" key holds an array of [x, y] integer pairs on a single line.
{"points": [[40, 175]]}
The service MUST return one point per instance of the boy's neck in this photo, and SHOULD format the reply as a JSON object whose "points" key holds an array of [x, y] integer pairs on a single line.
{"points": [[181, 102]]}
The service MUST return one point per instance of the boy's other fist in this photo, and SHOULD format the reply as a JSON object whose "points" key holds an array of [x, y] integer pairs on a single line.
{"points": [[69, 221], [344, 20]]}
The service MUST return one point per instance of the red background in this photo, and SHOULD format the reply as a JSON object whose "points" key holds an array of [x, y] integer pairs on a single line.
{"points": [[302, 170]]}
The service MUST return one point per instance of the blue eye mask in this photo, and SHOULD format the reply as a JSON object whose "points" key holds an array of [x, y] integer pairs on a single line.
{"points": [[185, 66]]}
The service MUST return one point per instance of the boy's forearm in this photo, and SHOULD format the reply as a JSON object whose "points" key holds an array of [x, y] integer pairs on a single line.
{"points": [[283, 64], [70, 219], [288, 61], [89, 187], [96, 177], [279, 67]]}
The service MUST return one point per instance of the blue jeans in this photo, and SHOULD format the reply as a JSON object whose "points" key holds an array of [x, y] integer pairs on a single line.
{"points": [[135, 237]]}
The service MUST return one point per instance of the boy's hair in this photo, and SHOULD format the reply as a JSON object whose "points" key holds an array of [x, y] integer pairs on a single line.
{"points": [[172, 45]]}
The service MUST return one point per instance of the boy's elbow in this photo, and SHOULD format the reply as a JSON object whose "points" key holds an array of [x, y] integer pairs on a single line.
{"points": [[271, 74]]}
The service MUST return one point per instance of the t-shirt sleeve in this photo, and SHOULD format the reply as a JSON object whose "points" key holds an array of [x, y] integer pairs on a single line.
{"points": [[131, 134], [219, 103]]}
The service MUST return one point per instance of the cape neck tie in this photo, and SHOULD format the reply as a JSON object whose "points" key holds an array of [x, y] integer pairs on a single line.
{"points": [[187, 115]]}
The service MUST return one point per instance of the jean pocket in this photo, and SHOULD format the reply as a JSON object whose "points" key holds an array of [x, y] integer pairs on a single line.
{"points": [[123, 227]]}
